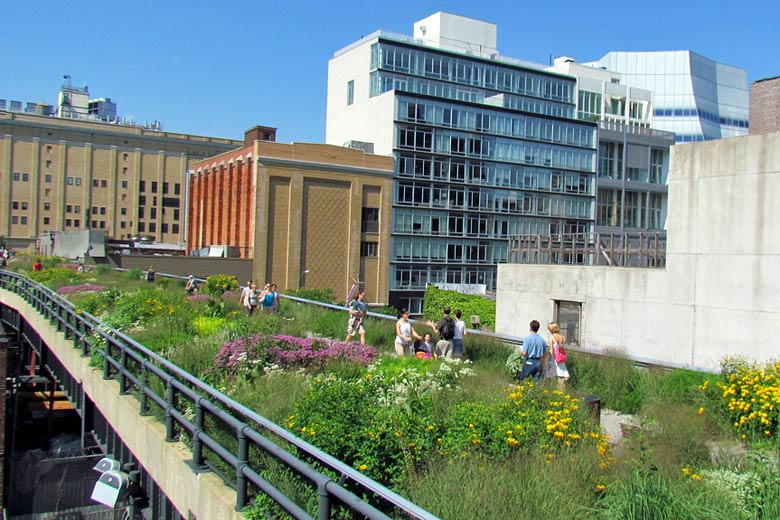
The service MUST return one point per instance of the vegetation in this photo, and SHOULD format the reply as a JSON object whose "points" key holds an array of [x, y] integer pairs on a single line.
{"points": [[461, 437], [469, 305]]}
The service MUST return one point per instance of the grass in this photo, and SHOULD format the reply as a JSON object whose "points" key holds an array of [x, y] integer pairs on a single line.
{"points": [[665, 471]]}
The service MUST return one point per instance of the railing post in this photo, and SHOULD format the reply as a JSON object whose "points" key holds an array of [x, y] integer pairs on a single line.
{"points": [[122, 370], [106, 364], [323, 508], [242, 460], [144, 383], [197, 445], [170, 397]]}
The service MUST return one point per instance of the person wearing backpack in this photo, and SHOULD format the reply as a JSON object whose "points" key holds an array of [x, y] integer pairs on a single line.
{"points": [[446, 330]]}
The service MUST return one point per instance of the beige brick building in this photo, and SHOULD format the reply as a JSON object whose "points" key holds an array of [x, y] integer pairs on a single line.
{"points": [[67, 175], [307, 214], [765, 106]]}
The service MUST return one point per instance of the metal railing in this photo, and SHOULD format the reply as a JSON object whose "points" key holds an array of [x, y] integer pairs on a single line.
{"points": [[191, 407], [612, 249]]}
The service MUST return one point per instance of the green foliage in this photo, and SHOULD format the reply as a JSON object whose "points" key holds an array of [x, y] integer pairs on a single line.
{"points": [[207, 325], [102, 269], [132, 274], [57, 277], [436, 299], [617, 381], [219, 283], [145, 305]]}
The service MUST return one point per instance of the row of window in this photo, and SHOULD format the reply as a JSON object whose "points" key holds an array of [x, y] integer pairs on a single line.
{"points": [[637, 210], [418, 277], [154, 186], [428, 195], [448, 142], [449, 169], [495, 122], [702, 114], [382, 81], [470, 72], [420, 222], [611, 163], [151, 227]]}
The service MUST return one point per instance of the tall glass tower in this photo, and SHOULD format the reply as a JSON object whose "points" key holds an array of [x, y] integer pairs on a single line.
{"points": [[485, 148]]}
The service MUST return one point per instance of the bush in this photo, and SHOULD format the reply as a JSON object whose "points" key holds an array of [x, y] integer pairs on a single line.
{"points": [[317, 295], [217, 284], [436, 299]]}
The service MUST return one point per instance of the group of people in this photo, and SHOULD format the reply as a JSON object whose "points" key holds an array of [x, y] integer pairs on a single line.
{"points": [[5, 256], [450, 332], [544, 358], [252, 297]]}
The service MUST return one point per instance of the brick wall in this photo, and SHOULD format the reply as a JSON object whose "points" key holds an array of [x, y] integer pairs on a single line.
{"points": [[765, 106]]}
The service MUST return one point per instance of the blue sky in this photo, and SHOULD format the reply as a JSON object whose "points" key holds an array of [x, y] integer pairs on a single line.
{"points": [[218, 68]]}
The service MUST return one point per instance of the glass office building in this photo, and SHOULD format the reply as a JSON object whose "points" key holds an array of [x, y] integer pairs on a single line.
{"points": [[485, 148], [695, 97]]}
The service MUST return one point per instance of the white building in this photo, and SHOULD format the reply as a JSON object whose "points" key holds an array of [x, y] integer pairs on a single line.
{"points": [[485, 148], [696, 98], [717, 295]]}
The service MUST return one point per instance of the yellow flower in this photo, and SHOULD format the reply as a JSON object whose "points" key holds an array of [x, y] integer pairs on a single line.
{"points": [[362, 467], [701, 410], [600, 487], [686, 470]]}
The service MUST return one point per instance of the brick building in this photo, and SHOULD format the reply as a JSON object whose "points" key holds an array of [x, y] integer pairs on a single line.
{"points": [[765, 106], [69, 175], [308, 214]]}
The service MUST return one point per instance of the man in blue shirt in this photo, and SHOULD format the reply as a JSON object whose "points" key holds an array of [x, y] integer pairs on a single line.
{"points": [[534, 347]]}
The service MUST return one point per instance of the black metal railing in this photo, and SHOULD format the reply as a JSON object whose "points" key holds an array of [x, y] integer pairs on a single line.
{"points": [[192, 408]]}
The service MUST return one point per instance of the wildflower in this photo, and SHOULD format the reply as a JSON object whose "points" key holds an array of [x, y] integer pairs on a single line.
{"points": [[701, 410], [362, 467]]}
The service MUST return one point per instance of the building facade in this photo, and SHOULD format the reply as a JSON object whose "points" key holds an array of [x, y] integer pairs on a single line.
{"points": [[633, 157], [485, 147], [309, 215], [695, 97], [765, 106], [67, 175], [719, 287]]}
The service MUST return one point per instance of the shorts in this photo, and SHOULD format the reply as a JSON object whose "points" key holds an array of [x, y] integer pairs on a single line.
{"points": [[355, 326]]}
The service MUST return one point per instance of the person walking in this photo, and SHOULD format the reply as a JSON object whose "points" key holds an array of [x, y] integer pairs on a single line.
{"points": [[460, 332], [357, 314], [243, 300], [267, 299], [404, 334], [446, 331], [534, 348], [557, 354]]}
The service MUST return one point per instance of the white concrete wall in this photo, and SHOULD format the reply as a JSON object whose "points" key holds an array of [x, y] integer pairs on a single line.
{"points": [[366, 119], [720, 292]]}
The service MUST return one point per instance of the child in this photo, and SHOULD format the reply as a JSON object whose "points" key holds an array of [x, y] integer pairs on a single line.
{"points": [[424, 349]]}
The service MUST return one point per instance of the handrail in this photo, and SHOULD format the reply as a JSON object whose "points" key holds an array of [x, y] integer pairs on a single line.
{"points": [[133, 364]]}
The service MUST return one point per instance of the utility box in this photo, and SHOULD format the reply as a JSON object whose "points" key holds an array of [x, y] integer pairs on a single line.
{"points": [[109, 488]]}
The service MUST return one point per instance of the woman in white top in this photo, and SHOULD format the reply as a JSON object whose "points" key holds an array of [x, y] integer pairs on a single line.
{"points": [[457, 339], [404, 334], [555, 345]]}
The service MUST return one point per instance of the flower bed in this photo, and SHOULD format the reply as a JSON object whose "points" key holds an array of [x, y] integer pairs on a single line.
{"points": [[87, 287]]}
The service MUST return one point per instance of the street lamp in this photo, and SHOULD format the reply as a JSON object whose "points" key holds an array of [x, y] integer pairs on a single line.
{"points": [[300, 278]]}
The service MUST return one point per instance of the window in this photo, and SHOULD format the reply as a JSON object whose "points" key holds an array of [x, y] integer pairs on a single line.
{"points": [[68, 208], [152, 227], [176, 214], [77, 208], [154, 186], [78, 181], [103, 211], [17, 176], [48, 164], [47, 178], [76, 223], [124, 184], [25, 177], [124, 157], [370, 220], [14, 205], [95, 183], [142, 200], [123, 211], [124, 170], [568, 315], [141, 227], [24, 206], [67, 222], [46, 206], [153, 213], [142, 186], [350, 91], [103, 183], [14, 220], [94, 210], [368, 249], [177, 189], [123, 224], [164, 228], [165, 188], [175, 228], [48, 149], [45, 221]]}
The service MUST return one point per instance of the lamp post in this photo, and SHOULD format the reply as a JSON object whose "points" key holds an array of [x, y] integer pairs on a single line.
{"points": [[300, 278]]}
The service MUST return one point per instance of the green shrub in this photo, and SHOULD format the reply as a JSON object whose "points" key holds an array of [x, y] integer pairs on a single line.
{"points": [[317, 295], [617, 381], [436, 299], [103, 270], [56, 277], [219, 283]]}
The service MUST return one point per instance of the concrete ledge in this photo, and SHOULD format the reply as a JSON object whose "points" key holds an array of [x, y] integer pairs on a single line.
{"points": [[203, 495]]}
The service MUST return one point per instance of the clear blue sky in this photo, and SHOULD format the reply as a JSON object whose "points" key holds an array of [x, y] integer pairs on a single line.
{"points": [[217, 68]]}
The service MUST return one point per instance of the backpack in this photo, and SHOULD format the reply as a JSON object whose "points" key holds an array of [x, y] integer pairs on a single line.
{"points": [[448, 329]]}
